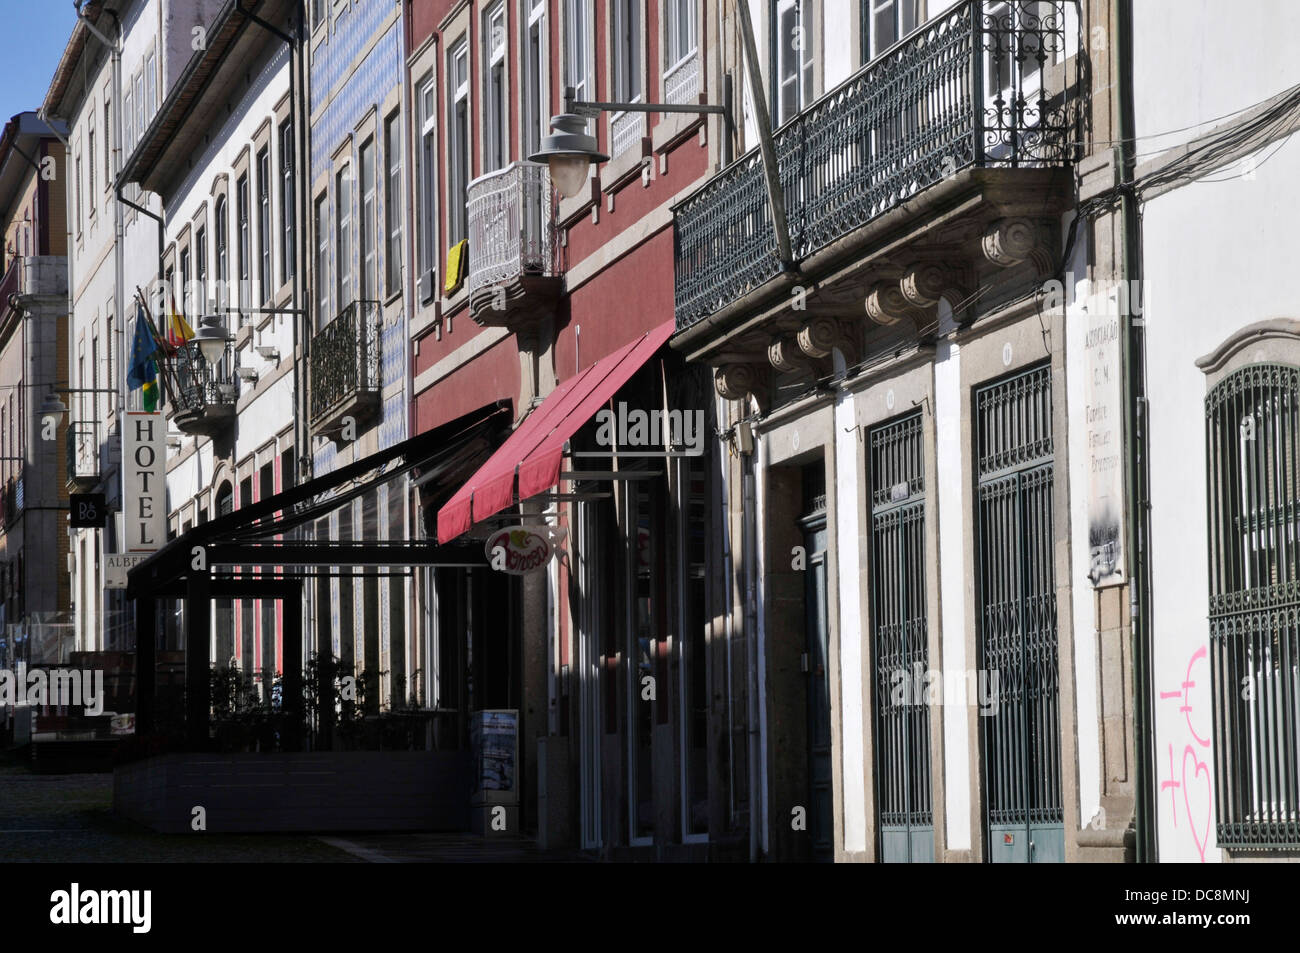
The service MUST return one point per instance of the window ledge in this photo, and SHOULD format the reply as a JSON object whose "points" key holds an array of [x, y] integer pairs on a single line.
{"points": [[623, 168]]}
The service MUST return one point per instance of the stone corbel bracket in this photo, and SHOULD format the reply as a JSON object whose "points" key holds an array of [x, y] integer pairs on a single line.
{"points": [[887, 306], [739, 381], [820, 335], [1011, 241], [786, 356], [924, 285]]}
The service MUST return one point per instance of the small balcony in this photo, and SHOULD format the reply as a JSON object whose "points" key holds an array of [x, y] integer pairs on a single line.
{"points": [[345, 367], [945, 155], [83, 455], [514, 272], [203, 395]]}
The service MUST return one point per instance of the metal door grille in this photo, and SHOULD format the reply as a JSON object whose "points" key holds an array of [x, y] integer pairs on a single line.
{"points": [[1253, 480], [899, 641], [1020, 719]]}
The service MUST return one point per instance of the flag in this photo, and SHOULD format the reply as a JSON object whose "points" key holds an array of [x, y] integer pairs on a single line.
{"points": [[178, 329], [143, 369]]}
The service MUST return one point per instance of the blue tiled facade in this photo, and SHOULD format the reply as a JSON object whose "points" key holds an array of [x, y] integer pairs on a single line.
{"points": [[343, 94]]}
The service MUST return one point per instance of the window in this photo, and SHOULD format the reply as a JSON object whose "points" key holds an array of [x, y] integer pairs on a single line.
{"points": [[626, 45], [128, 123], [458, 144], [343, 244], [288, 249], [80, 189], [90, 165], [393, 203], [885, 22], [495, 136], [223, 271], [151, 80], [792, 43], [322, 261], [108, 142], [578, 68], [679, 32], [1252, 416], [535, 104], [369, 224], [141, 117], [427, 180], [264, 223], [626, 128], [201, 269], [185, 282], [318, 12], [245, 239]]}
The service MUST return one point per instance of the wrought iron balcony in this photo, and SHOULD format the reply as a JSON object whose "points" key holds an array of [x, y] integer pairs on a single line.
{"points": [[978, 87], [204, 395], [513, 264], [345, 365], [83, 454]]}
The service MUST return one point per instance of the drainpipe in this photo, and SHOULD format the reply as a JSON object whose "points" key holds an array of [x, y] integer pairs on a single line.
{"points": [[1135, 424]]}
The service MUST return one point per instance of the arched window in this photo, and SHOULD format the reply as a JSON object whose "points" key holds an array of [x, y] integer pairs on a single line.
{"points": [[1252, 419]]}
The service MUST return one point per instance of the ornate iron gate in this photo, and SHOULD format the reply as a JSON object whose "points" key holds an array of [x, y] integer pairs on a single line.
{"points": [[1253, 439], [1018, 685], [900, 654]]}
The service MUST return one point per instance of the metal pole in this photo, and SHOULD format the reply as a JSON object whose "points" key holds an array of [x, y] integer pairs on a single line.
{"points": [[767, 147]]}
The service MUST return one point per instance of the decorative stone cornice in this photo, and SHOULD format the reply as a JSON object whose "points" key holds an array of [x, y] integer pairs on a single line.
{"points": [[786, 356]]}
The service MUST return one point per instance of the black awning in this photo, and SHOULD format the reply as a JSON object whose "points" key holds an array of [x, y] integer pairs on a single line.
{"points": [[247, 537]]}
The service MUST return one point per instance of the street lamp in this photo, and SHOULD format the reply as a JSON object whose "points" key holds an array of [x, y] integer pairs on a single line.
{"points": [[212, 338], [569, 151], [52, 406]]}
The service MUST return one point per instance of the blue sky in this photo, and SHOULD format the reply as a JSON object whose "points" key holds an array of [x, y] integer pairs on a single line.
{"points": [[32, 38]]}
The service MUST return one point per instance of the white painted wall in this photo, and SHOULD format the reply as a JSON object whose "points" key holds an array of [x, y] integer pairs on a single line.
{"points": [[953, 582], [1217, 256], [848, 503], [1084, 616]]}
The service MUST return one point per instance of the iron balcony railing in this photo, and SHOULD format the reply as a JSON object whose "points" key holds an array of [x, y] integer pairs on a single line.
{"points": [[511, 228], [83, 451], [969, 88], [202, 390], [345, 358]]}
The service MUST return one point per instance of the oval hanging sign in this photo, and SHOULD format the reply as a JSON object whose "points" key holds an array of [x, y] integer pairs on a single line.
{"points": [[519, 550]]}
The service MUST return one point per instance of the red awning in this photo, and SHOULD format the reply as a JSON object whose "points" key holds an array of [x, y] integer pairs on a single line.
{"points": [[535, 450]]}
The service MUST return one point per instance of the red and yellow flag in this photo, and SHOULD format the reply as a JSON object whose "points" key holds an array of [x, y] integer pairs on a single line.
{"points": [[178, 329]]}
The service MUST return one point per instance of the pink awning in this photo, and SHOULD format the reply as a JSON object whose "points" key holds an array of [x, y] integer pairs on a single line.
{"points": [[534, 452]]}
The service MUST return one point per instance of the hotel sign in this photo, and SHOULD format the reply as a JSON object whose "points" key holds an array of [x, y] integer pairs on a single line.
{"points": [[144, 494]]}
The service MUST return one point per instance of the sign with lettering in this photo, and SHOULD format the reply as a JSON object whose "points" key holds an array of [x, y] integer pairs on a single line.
{"points": [[144, 491], [117, 565], [1103, 392], [518, 550], [86, 510]]}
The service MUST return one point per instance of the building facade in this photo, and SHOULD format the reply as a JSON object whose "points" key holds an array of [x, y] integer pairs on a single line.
{"points": [[812, 484], [34, 593]]}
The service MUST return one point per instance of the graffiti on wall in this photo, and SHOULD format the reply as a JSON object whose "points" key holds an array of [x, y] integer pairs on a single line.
{"points": [[1186, 774]]}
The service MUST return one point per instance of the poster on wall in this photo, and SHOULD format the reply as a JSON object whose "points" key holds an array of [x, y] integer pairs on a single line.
{"points": [[493, 736], [1104, 434]]}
